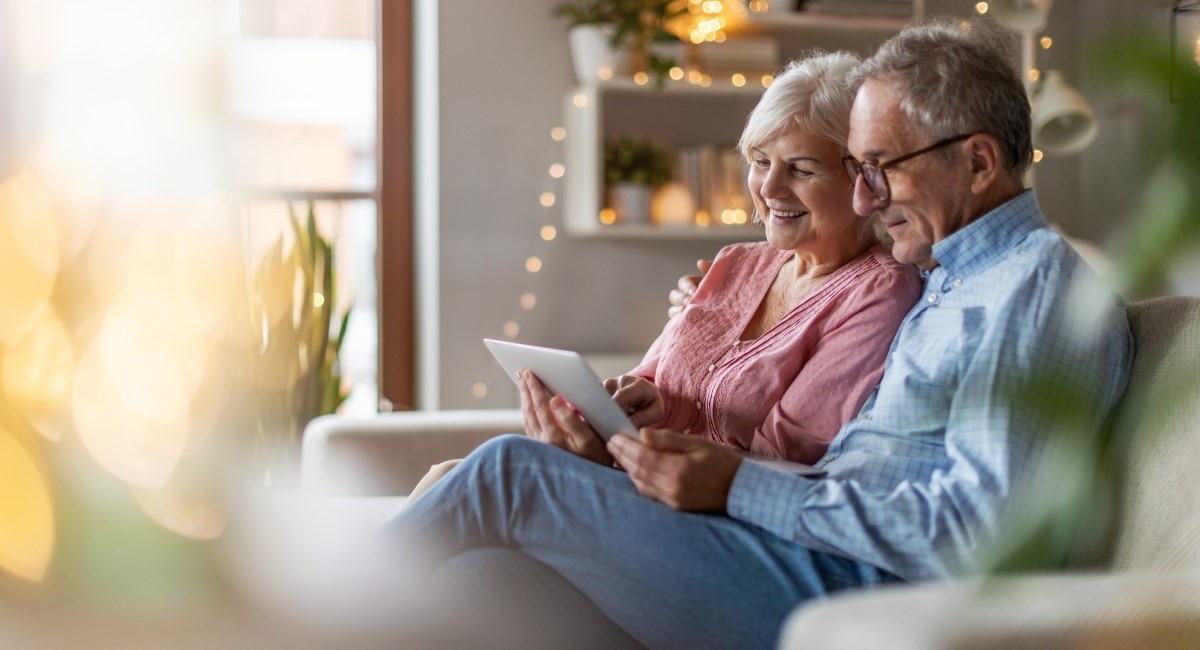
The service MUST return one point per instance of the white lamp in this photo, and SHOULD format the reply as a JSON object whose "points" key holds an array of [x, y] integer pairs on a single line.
{"points": [[1021, 15], [1063, 123]]}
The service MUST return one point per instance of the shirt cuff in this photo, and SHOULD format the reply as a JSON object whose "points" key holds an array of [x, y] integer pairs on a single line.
{"points": [[767, 498]]}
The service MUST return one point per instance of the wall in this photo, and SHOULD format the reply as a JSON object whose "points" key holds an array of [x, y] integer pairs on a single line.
{"points": [[504, 68]]}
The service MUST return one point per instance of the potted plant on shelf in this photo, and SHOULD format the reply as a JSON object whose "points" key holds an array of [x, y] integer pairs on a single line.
{"points": [[632, 170], [610, 37]]}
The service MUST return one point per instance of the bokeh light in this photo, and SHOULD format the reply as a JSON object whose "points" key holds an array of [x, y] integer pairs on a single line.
{"points": [[37, 373], [26, 512], [28, 254]]}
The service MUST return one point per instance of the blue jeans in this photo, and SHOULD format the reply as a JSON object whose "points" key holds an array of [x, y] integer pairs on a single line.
{"points": [[670, 579]]}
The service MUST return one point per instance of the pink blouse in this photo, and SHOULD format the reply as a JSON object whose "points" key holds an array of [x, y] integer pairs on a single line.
{"points": [[786, 393]]}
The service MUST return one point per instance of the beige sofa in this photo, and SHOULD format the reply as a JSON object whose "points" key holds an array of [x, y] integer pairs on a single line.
{"points": [[1148, 596]]}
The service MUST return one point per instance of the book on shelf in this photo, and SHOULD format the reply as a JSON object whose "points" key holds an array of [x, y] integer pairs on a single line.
{"points": [[716, 178]]}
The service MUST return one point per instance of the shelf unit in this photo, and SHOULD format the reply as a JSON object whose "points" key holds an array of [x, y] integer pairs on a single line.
{"points": [[680, 114]]}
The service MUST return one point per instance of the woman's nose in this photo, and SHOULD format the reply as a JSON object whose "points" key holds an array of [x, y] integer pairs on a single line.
{"points": [[865, 201], [772, 184]]}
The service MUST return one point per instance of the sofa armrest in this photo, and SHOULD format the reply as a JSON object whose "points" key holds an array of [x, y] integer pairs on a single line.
{"points": [[1065, 611], [387, 454]]}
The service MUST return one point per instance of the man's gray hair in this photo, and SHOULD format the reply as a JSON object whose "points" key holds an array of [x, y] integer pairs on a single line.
{"points": [[958, 76]]}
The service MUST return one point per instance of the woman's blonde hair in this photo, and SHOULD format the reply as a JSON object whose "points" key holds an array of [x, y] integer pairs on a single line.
{"points": [[812, 93]]}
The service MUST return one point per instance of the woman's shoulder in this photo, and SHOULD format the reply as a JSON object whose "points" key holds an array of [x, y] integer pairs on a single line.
{"points": [[882, 274], [887, 266]]}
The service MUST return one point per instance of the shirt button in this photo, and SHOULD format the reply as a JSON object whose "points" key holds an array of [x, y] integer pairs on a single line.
{"points": [[932, 298], [712, 367], [687, 430], [828, 457], [699, 405], [865, 416], [958, 283]]}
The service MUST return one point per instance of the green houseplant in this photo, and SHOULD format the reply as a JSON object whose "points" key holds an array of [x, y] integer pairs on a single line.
{"points": [[619, 35], [633, 168]]}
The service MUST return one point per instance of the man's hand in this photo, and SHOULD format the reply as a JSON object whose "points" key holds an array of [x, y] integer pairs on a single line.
{"points": [[640, 399], [554, 421], [682, 294], [685, 472]]}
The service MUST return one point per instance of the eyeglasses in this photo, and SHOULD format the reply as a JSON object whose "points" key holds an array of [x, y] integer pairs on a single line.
{"points": [[873, 172]]}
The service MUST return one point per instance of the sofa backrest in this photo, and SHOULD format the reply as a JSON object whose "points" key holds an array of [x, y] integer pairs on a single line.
{"points": [[1156, 435]]}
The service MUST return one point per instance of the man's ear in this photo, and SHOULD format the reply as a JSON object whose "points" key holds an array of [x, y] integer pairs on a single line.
{"points": [[986, 161]]}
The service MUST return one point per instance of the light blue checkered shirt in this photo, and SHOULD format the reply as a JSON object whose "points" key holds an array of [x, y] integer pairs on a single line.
{"points": [[918, 482]]}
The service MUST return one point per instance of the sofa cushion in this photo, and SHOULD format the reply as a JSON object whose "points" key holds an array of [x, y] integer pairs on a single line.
{"points": [[1156, 440]]}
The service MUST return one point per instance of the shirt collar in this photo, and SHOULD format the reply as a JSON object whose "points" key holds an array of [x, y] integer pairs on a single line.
{"points": [[974, 246]]}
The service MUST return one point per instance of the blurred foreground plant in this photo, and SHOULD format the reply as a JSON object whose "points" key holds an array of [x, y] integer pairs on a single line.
{"points": [[1068, 521]]}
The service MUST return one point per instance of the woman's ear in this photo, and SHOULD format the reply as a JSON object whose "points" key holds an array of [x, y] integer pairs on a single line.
{"points": [[986, 161]]}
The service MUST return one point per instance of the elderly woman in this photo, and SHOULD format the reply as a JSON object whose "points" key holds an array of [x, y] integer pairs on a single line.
{"points": [[783, 340]]}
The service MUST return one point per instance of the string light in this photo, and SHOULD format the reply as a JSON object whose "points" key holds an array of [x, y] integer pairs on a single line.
{"points": [[1037, 155], [641, 78], [549, 233], [533, 264], [557, 170], [479, 390], [738, 80], [1034, 74], [511, 329], [604, 73], [580, 100], [1047, 42], [675, 73], [528, 301], [767, 80], [546, 199], [981, 7], [558, 134], [608, 216]]}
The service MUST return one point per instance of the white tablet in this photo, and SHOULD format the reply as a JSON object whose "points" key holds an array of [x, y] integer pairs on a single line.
{"points": [[566, 373]]}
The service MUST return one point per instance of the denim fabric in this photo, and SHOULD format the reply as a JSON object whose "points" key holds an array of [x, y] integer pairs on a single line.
{"points": [[670, 579]]}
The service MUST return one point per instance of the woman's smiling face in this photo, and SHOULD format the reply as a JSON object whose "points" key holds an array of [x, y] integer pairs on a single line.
{"points": [[801, 191]]}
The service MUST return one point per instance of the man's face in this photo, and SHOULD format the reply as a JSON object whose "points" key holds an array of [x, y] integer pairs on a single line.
{"points": [[929, 196]]}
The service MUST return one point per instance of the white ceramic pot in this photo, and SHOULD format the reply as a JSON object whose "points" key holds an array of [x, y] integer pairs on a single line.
{"points": [[591, 53], [631, 202]]}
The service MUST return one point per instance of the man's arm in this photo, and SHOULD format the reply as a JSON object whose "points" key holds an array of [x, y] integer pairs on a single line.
{"points": [[1021, 404]]}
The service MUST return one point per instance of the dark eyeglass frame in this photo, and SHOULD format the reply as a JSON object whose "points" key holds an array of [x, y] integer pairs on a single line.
{"points": [[873, 172]]}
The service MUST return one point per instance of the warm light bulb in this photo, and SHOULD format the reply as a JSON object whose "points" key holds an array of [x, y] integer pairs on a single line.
{"points": [[1037, 155], [479, 390], [981, 7], [738, 80], [546, 199], [580, 100], [318, 299], [641, 78], [533, 265], [767, 80], [558, 134], [511, 329], [557, 170], [549, 233], [1034, 74], [703, 219], [676, 73], [608, 216], [528, 301], [1047, 42], [604, 73]]}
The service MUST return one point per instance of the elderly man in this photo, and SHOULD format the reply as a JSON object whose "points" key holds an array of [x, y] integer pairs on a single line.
{"points": [[703, 550]]}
